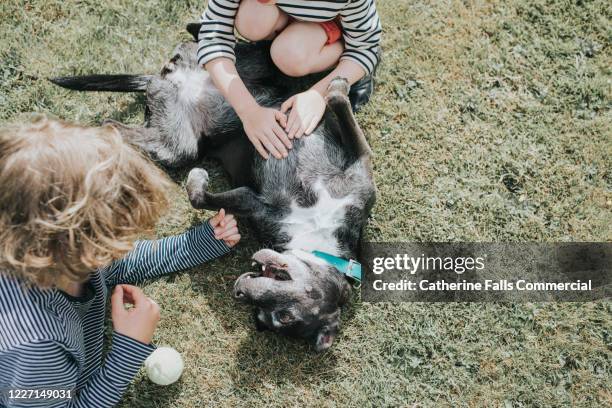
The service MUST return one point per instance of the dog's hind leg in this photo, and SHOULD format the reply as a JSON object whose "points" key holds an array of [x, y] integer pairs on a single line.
{"points": [[150, 140], [351, 134], [240, 201]]}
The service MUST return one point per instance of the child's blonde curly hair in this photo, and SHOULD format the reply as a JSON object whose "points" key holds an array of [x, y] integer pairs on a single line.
{"points": [[72, 199]]}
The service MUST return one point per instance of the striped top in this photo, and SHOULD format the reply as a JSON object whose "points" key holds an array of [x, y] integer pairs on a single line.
{"points": [[50, 340], [358, 18]]}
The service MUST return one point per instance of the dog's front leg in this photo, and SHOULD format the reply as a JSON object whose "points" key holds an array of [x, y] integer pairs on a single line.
{"points": [[352, 135], [240, 201]]}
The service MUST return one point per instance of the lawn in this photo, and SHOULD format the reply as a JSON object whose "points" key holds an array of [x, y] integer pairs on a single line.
{"points": [[491, 122]]}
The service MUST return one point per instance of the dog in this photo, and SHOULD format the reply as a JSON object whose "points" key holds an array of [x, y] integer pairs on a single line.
{"points": [[308, 209]]}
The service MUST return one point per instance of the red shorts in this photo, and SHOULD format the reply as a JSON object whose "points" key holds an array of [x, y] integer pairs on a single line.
{"points": [[332, 28], [333, 31]]}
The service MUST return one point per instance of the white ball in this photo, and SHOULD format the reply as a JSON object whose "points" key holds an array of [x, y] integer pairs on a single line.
{"points": [[164, 366]]}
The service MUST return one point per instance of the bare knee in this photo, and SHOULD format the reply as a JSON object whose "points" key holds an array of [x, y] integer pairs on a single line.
{"points": [[256, 21], [291, 60]]}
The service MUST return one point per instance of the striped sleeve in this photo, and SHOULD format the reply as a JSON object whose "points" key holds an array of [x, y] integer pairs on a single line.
{"points": [[151, 259], [216, 38], [361, 32], [46, 365]]}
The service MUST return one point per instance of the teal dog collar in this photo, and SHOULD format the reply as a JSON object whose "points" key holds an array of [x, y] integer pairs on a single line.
{"points": [[350, 268]]}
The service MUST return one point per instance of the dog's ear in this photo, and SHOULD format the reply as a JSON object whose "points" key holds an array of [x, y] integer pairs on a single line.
{"points": [[194, 30], [259, 326], [325, 338]]}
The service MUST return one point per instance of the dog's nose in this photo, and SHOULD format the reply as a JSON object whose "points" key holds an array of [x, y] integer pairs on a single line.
{"points": [[238, 294]]}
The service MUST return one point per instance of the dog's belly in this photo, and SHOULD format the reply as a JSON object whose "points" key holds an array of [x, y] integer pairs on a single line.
{"points": [[312, 228]]}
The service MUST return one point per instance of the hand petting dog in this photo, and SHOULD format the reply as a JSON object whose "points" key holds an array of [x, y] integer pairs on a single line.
{"points": [[225, 227], [307, 109]]}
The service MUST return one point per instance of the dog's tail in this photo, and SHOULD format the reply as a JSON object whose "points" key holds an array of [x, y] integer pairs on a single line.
{"points": [[107, 83]]}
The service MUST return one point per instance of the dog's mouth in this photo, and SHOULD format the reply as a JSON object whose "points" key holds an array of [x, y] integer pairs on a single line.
{"points": [[271, 270]]}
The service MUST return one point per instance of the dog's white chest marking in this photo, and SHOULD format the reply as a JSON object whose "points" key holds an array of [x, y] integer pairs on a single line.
{"points": [[312, 228]]}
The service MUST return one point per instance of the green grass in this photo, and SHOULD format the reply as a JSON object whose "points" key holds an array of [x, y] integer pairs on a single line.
{"points": [[491, 122]]}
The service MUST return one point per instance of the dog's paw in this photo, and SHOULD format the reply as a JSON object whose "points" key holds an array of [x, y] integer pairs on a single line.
{"points": [[197, 184], [337, 91], [339, 84]]}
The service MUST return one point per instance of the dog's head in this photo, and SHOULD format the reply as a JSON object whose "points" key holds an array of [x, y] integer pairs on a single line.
{"points": [[295, 294]]}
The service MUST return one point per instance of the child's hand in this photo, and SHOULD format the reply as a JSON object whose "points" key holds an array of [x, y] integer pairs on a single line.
{"points": [[138, 322], [263, 128], [307, 109], [226, 228]]}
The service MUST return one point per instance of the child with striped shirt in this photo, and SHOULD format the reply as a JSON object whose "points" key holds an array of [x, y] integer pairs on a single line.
{"points": [[307, 37], [72, 201]]}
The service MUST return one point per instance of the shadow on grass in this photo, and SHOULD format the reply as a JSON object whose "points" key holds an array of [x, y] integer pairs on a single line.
{"points": [[143, 393], [263, 359], [266, 360]]}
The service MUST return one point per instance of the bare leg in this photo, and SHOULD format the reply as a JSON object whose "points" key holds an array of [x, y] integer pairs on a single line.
{"points": [[256, 21], [300, 49]]}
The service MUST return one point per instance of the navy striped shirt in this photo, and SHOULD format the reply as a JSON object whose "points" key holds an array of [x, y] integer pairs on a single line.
{"points": [[50, 340], [358, 18]]}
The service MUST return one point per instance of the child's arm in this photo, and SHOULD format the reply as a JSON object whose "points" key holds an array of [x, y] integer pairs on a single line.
{"points": [[216, 38], [47, 365], [361, 32], [260, 124], [151, 259], [216, 43]]}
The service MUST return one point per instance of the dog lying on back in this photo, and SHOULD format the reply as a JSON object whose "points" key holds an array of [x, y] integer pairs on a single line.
{"points": [[317, 199]]}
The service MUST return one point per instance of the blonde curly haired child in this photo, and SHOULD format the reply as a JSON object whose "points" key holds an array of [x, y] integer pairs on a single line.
{"points": [[73, 200]]}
